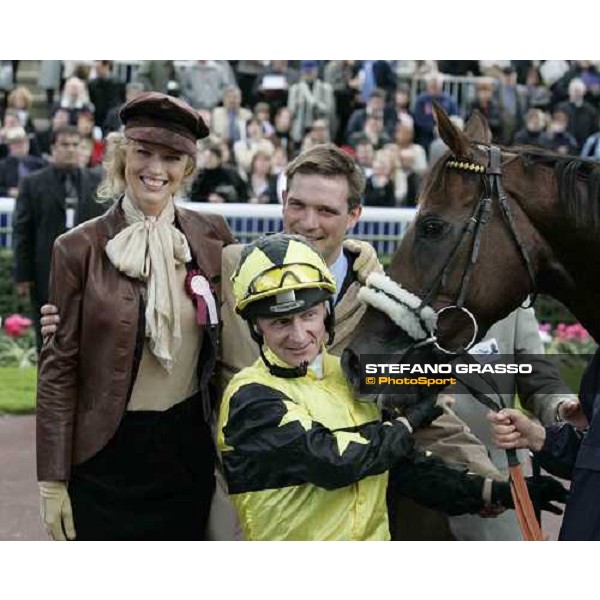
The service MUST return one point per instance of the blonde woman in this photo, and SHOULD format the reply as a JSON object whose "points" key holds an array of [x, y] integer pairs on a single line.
{"points": [[124, 449]]}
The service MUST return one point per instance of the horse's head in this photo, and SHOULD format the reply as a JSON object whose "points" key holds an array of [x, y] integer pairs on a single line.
{"points": [[453, 262]]}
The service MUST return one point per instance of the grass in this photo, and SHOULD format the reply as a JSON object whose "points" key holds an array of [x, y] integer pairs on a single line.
{"points": [[17, 390]]}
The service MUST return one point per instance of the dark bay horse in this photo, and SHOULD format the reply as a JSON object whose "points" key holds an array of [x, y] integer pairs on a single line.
{"points": [[494, 227]]}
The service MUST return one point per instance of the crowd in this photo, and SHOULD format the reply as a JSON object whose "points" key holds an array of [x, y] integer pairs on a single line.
{"points": [[262, 114]]}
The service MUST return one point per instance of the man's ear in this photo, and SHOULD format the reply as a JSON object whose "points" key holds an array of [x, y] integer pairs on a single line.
{"points": [[354, 216]]}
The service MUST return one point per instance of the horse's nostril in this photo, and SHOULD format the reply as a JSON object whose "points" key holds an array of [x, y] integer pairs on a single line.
{"points": [[351, 366]]}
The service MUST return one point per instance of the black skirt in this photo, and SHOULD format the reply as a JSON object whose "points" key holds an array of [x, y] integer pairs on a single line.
{"points": [[154, 480]]}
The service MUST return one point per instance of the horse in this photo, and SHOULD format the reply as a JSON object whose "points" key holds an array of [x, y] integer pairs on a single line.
{"points": [[495, 226]]}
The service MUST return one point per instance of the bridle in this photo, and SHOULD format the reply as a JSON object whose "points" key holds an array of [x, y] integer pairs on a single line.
{"points": [[491, 187]]}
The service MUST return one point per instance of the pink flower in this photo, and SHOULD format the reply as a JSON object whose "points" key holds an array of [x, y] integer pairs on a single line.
{"points": [[15, 325], [546, 327]]}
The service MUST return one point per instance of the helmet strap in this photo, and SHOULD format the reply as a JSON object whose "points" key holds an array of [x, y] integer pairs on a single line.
{"points": [[276, 370]]}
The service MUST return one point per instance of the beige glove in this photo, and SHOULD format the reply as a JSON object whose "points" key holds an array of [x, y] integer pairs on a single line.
{"points": [[366, 262], [56, 511]]}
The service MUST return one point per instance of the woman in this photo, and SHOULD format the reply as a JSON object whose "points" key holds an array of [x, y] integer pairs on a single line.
{"points": [[123, 442], [262, 186]]}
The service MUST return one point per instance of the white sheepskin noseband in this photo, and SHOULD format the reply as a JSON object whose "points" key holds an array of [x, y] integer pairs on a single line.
{"points": [[399, 305]]}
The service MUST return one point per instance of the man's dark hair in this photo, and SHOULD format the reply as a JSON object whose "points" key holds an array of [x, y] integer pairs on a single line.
{"points": [[329, 161], [63, 130]]}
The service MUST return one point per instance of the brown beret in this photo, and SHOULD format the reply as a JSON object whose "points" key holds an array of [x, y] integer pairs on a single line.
{"points": [[162, 119]]}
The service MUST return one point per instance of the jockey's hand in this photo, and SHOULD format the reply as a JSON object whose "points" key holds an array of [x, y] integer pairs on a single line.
{"points": [[512, 429], [543, 491], [49, 320], [423, 413], [56, 511], [366, 262]]}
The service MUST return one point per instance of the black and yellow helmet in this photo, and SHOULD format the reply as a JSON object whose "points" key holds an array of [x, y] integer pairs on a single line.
{"points": [[280, 275]]}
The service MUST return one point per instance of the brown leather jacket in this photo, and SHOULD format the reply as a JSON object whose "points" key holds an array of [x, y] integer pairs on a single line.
{"points": [[87, 369]]}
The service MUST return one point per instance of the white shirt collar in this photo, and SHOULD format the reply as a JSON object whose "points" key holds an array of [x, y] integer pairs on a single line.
{"points": [[339, 269]]}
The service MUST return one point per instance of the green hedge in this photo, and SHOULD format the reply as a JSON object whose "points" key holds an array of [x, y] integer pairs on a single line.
{"points": [[10, 302]]}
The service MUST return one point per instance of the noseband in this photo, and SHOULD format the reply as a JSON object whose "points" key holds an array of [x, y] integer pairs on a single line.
{"points": [[413, 314]]}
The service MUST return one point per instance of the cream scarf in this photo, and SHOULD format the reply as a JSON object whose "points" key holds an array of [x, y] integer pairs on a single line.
{"points": [[148, 250]]}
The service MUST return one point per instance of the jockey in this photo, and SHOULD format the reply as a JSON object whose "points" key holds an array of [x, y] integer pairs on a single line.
{"points": [[303, 459], [293, 438]]}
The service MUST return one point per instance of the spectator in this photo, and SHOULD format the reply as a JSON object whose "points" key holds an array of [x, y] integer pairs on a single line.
{"points": [[318, 134], [50, 201], [379, 190], [404, 138], [263, 113], [488, 106], [279, 163], [244, 149], [373, 131], [283, 129], [376, 74], [60, 118], [512, 100], [273, 84], [12, 121], [229, 121], [401, 102], [247, 72], [557, 138], [375, 107], [217, 182], [407, 181], [365, 154], [532, 133], [105, 91], [18, 164], [583, 117], [342, 75], [91, 143], [262, 186], [50, 78], [158, 76], [538, 95], [204, 83], [74, 98], [423, 109], [20, 100], [310, 99]]}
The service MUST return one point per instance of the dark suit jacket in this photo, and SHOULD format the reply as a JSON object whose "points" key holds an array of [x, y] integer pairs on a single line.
{"points": [[575, 455], [40, 217], [9, 171]]}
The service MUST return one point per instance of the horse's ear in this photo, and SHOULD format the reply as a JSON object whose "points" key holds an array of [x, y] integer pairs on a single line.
{"points": [[454, 138], [477, 128]]}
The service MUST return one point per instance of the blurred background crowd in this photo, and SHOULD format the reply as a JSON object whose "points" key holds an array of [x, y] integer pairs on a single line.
{"points": [[263, 113]]}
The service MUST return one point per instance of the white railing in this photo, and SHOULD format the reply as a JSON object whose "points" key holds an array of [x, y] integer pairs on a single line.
{"points": [[383, 227]]}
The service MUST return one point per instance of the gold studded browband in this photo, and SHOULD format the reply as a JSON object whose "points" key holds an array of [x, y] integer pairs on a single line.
{"points": [[465, 166]]}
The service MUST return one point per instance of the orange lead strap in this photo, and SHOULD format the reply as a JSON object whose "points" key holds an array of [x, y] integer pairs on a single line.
{"points": [[528, 523]]}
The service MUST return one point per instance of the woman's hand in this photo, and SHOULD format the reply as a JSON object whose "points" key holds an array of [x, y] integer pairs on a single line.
{"points": [[512, 429]]}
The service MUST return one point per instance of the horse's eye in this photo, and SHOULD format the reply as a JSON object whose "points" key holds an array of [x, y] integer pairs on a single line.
{"points": [[431, 228]]}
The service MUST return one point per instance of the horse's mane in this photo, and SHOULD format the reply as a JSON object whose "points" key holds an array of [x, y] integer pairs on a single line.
{"points": [[578, 182]]}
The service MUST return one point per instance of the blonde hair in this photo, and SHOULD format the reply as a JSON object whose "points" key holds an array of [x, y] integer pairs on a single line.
{"points": [[24, 93], [113, 184]]}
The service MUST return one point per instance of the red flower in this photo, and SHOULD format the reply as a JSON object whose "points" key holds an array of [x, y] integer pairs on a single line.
{"points": [[16, 325]]}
